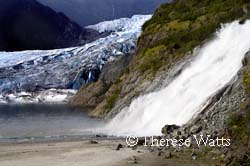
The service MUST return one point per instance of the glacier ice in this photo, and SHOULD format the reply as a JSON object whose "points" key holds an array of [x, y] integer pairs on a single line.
{"points": [[122, 24], [45, 96], [69, 68]]}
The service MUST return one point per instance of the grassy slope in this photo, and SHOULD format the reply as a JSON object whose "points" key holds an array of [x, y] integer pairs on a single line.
{"points": [[178, 28], [174, 30]]}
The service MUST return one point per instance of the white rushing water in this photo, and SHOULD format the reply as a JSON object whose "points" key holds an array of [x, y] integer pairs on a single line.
{"points": [[216, 64]]}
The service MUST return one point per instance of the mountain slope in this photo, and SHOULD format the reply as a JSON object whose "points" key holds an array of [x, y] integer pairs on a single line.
{"points": [[27, 24], [88, 12], [167, 39]]}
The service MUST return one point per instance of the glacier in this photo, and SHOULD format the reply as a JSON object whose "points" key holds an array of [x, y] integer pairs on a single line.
{"points": [[65, 69], [122, 24]]}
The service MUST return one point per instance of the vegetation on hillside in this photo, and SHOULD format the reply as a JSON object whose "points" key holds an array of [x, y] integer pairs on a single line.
{"points": [[174, 31], [179, 27], [239, 132], [239, 124]]}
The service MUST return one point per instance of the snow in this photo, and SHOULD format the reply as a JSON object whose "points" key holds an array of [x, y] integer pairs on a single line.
{"points": [[47, 96], [55, 96], [2, 100], [22, 98]]}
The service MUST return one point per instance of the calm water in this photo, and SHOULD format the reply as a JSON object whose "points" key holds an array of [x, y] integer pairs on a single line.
{"points": [[45, 122]]}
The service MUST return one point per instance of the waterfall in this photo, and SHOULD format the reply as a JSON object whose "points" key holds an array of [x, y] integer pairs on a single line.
{"points": [[216, 63]]}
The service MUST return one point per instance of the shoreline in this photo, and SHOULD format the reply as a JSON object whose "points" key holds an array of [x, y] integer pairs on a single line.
{"points": [[59, 139]]}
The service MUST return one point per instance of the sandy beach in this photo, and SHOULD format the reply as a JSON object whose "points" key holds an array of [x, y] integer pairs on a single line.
{"points": [[79, 153], [85, 153]]}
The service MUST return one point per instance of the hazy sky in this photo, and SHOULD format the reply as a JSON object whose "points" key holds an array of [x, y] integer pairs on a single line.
{"points": [[87, 12]]}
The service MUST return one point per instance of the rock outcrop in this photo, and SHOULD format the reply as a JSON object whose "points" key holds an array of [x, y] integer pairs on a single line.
{"points": [[226, 115], [213, 119], [93, 94]]}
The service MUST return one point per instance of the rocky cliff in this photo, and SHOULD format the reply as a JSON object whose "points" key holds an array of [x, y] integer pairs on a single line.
{"points": [[29, 25], [167, 39]]}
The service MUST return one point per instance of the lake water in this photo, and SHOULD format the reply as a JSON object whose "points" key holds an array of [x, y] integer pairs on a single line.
{"points": [[45, 122]]}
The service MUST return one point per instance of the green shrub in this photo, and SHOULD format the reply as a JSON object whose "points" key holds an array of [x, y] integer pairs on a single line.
{"points": [[246, 81], [239, 125], [239, 133], [153, 59], [186, 23], [112, 99]]}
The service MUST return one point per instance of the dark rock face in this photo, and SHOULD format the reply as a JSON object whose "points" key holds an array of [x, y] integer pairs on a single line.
{"points": [[90, 95], [169, 129], [28, 25]]}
